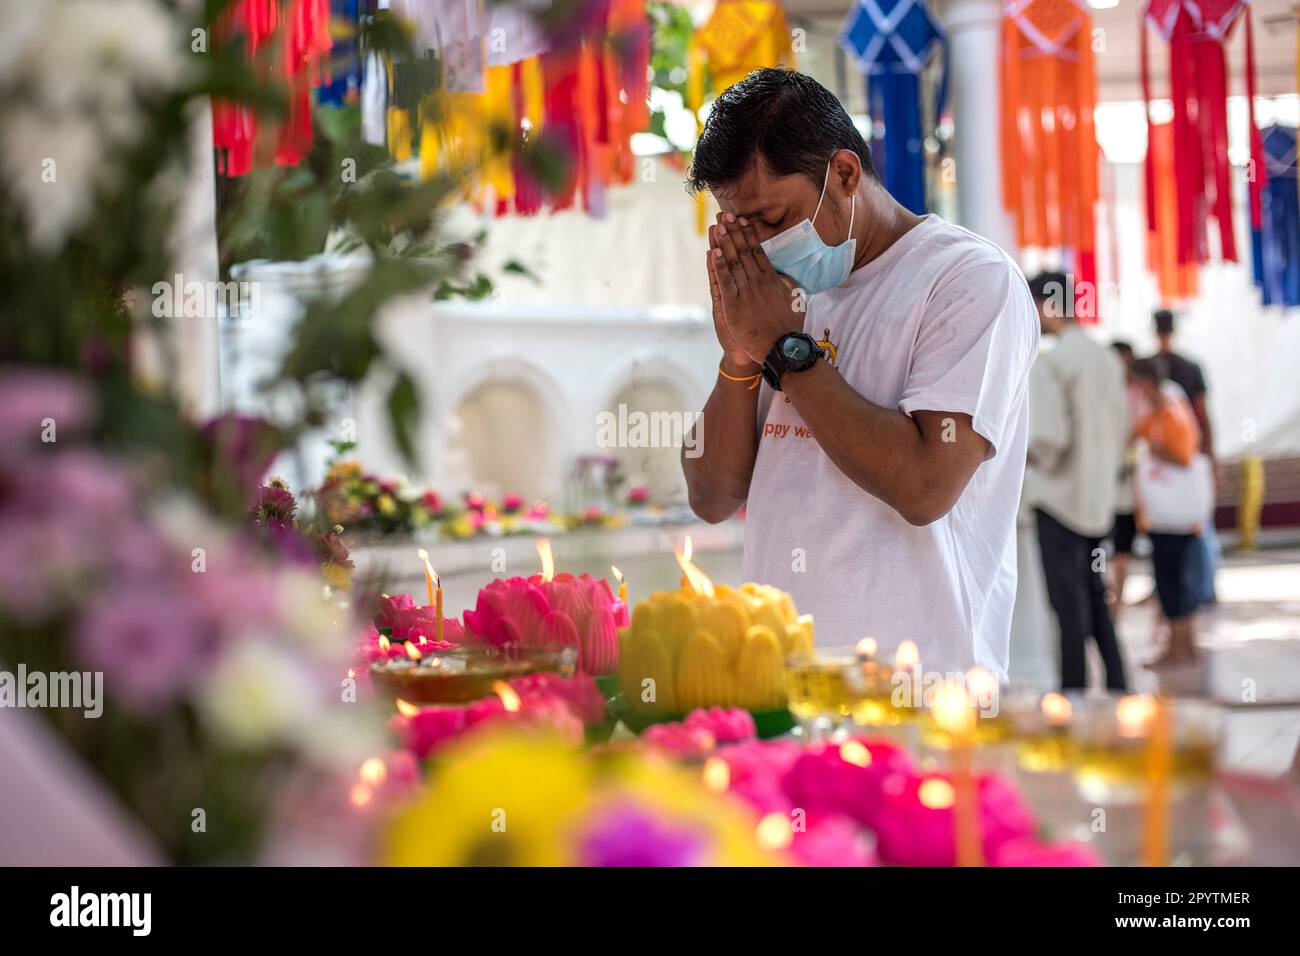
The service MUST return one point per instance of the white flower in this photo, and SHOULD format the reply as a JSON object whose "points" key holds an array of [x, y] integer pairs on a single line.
{"points": [[258, 695], [70, 75]]}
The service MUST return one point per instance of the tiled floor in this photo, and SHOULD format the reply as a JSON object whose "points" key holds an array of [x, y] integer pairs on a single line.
{"points": [[1251, 645]]}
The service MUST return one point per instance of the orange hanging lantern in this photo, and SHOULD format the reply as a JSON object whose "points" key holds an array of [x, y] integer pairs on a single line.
{"points": [[1049, 144]]}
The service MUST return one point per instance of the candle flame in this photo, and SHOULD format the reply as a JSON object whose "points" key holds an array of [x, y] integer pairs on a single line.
{"points": [[405, 709], [1057, 708], [981, 684], [547, 558], [617, 573], [907, 656], [360, 795], [936, 794], [1134, 714], [384, 643], [373, 771], [774, 832], [717, 774], [351, 672], [699, 581], [951, 707], [413, 652], [866, 647], [856, 753], [509, 699]]}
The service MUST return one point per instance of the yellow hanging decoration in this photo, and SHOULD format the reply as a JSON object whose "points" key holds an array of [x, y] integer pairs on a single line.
{"points": [[739, 37]]}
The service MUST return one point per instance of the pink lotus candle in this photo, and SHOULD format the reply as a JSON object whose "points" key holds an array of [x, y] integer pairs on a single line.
{"points": [[552, 610]]}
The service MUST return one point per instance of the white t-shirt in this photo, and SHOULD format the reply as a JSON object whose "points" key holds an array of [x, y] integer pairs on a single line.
{"points": [[941, 321]]}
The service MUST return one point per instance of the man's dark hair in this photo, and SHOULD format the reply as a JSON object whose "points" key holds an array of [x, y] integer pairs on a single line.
{"points": [[1149, 369], [790, 120], [1047, 284], [1123, 348], [1164, 320]]}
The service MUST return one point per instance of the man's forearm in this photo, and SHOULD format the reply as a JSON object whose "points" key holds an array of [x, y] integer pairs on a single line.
{"points": [[726, 440], [882, 450]]}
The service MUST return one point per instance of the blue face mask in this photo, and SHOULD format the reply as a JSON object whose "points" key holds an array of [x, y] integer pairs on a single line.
{"points": [[800, 253]]}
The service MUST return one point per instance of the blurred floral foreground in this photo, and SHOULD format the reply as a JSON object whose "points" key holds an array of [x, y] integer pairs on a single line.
{"points": [[239, 723]]}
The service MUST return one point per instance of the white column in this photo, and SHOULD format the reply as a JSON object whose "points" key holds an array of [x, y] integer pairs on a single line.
{"points": [[194, 257], [974, 29]]}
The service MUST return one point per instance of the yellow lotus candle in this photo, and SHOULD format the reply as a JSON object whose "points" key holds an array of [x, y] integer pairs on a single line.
{"points": [[952, 711], [706, 645]]}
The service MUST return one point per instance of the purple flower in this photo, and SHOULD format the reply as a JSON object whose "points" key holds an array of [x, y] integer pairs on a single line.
{"points": [[28, 398], [151, 643], [273, 506], [628, 835]]}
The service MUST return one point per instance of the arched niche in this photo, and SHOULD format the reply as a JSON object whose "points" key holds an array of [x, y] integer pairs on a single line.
{"points": [[504, 432], [649, 402]]}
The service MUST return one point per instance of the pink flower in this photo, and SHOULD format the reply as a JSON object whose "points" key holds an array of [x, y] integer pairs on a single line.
{"points": [[511, 503], [579, 692], [408, 621], [909, 833], [430, 728], [273, 506], [726, 724], [831, 841], [432, 503], [1028, 851], [30, 398], [539, 511], [638, 495], [679, 740], [822, 781], [474, 501], [150, 642]]}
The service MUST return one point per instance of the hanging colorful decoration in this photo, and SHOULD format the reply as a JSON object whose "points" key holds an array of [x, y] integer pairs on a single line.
{"points": [[1276, 243], [1196, 31], [288, 40], [1176, 281], [739, 36], [892, 42], [576, 94], [1049, 145]]}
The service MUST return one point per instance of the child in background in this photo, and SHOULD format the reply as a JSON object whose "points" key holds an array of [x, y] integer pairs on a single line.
{"points": [[1171, 434]]}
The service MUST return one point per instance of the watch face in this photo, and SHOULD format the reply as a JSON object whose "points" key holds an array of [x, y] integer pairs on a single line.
{"points": [[796, 349]]}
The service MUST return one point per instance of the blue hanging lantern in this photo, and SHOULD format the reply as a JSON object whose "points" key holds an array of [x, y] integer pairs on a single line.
{"points": [[1276, 244], [892, 42]]}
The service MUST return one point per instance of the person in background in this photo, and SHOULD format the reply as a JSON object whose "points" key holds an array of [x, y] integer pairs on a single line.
{"points": [[1187, 375], [1124, 530], [1172, 435], [1078, 428]]}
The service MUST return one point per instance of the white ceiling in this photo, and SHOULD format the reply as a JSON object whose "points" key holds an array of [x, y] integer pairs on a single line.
{"points": [[1118, 71]]}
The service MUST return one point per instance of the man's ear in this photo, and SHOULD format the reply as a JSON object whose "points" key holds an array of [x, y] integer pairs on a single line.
{"points": [[846, 169]]}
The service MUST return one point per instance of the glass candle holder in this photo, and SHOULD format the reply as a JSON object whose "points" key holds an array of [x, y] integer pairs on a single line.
{"points": [[881, 701], [817, 689], [1134, 773], [465, 674]]}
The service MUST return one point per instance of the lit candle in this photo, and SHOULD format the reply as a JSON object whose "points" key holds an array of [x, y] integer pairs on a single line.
{"points": [[546, 557], [435, 589], [622, 584], [1057, 709], [953, 713], [866, 648], [905, 660], [428, 572]]}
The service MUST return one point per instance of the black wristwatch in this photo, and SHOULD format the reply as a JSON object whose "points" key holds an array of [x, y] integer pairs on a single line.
{"points": [[793, 352]]}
